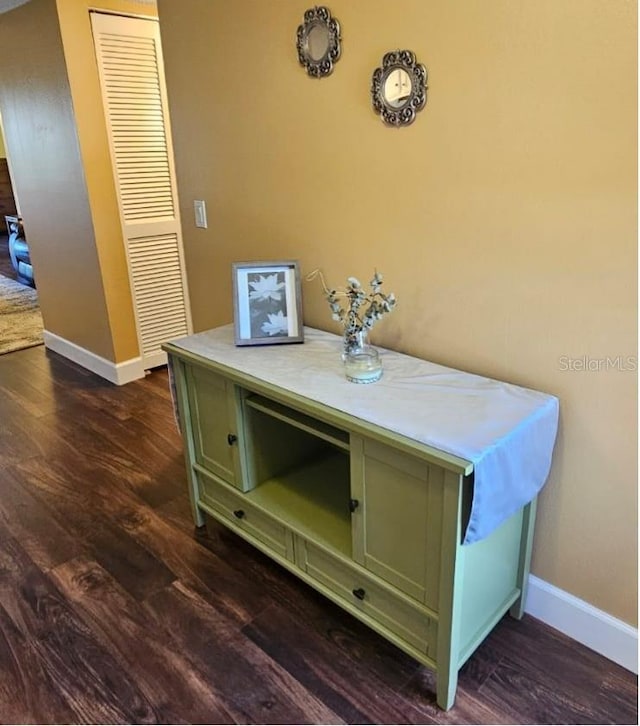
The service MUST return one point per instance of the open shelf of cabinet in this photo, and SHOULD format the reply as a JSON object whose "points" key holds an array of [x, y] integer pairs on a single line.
{"points": [[299, 420], [313, 500]]}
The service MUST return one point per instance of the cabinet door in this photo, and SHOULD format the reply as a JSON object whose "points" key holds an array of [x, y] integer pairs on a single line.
{"points": [[214, 419], [397, 524]]}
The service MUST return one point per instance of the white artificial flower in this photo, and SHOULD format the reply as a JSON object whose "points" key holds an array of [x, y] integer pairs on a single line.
{"points": [[277, 324], [266, 288]]}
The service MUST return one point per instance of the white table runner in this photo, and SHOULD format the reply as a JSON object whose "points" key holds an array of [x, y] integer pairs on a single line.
{"points": [[506, 431]]}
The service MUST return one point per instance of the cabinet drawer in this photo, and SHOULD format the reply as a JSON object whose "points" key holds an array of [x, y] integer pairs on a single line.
{"points": [[388, 608], [242, 516]]}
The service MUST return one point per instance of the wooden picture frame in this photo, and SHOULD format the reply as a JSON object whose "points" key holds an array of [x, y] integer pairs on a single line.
{"points": [[267, 302]]}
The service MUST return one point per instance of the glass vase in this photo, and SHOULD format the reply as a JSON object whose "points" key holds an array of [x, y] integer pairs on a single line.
{"points": [[362, 362]]}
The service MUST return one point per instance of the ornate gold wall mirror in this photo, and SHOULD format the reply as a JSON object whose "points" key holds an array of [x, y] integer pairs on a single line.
{"points": [[318, 41], [399, 88]]}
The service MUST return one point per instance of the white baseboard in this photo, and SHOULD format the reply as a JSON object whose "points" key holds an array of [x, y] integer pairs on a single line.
{"points": [[594, 628], [118, 373]]}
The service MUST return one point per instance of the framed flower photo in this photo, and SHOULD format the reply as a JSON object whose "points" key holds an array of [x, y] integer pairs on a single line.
{"points": [[267, 303]]}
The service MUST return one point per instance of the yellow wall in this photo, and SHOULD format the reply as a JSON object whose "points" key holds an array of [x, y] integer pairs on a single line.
{"points": [[3, 153], [48, 176], [504, 219], [52, 110]]}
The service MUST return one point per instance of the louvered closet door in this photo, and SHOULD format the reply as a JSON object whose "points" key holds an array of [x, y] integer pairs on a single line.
{"points": [[131, 73]]}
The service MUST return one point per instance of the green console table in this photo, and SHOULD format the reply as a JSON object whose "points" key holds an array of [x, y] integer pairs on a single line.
{"points": [[371, 517]]}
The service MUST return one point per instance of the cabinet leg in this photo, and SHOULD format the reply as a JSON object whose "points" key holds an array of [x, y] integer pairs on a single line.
{"points": [[526, 542], [446, 684], [450, 598], [198, 518]]}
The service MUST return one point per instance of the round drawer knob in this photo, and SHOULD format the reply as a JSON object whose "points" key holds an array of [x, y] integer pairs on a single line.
{"points": [[359, 593], [239, 513], [231, 439]]}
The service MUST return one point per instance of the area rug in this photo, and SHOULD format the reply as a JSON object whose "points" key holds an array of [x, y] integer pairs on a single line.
{"points": [[20, 319]]}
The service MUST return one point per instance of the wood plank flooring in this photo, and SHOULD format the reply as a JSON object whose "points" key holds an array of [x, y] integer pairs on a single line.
{"points": [[114, 609]]}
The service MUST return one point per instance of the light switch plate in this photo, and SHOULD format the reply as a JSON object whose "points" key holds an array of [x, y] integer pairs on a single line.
{"points": [[200, 210]]}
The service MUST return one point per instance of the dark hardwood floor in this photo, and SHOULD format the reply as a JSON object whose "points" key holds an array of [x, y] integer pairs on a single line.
{"points": [[113, 609]]}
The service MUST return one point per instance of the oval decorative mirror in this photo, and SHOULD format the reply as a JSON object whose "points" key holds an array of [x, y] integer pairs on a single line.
{"points": [[399, 88], [318, 41]]}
